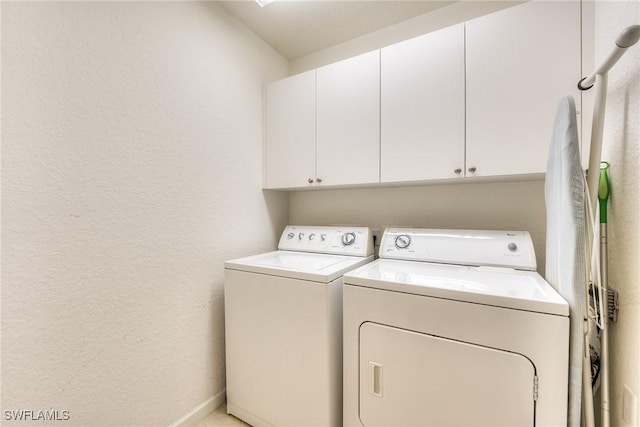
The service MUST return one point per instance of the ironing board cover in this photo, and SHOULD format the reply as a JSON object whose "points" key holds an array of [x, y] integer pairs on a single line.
{"points": [[565, 260]]}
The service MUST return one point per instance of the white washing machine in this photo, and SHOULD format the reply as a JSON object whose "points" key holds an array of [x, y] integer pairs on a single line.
{"points": [[283, 324], [454, 328]]}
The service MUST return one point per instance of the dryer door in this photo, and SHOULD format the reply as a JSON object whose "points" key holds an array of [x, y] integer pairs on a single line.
{"points": [[414, 379]]}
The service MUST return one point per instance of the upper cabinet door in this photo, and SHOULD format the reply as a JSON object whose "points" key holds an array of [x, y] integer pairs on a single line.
{"points": [[291, 132], [520, 62], [348, 121], [423, 107]]}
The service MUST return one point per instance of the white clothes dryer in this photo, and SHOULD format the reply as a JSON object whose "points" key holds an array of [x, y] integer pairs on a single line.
{"points": [[283, 325], [454, 328]]}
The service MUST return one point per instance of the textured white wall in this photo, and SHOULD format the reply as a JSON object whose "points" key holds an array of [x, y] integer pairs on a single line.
{"points": [[440, 18], [490, 206], [621, 147], [131, 159]]}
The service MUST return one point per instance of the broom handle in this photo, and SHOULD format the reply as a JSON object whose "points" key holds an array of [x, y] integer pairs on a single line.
{"points": [[603, 198]]}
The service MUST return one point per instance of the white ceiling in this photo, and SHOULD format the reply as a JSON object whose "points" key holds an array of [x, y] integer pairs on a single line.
{"points": [[296, 28]]}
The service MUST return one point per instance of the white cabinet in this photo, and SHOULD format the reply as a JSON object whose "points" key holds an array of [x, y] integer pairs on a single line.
{"points": [[290, 146], [474, 99], [423, 107], [348, 121], [520, 62], [323, 126]]}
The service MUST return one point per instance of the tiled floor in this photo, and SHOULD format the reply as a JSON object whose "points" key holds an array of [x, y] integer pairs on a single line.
{"points": [[220, 418]]}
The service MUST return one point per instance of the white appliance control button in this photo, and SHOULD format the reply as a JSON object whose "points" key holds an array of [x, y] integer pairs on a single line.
{"points": [[323, 237], [348, 238], [290, 236], [312, 236], [300, 236], [403, 241]]}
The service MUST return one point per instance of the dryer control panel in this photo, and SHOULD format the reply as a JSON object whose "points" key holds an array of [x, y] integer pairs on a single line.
{"points": [[512, 249], [355, 241]]}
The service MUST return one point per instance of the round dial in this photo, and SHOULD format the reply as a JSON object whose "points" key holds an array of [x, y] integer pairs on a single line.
{"points": [[348, 239], [403, 241], [290, 236]]}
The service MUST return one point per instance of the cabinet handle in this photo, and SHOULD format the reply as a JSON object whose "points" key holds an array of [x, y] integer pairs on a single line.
{"points": [[472, 169], [457, 171], [310, 180], [318, 180]]}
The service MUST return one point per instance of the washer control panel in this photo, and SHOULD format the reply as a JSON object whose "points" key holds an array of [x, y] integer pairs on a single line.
{"points": [[356, 241], [512, 249]]}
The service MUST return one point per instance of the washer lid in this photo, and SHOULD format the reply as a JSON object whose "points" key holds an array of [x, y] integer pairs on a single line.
{"points": [[322, 268], [500, 287]]}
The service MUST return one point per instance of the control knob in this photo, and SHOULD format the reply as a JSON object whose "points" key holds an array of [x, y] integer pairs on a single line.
{"points": [[348, 238], [403, 241], [290, 236]]}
